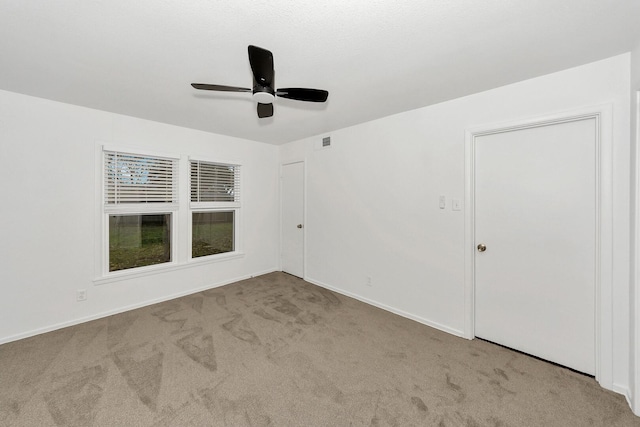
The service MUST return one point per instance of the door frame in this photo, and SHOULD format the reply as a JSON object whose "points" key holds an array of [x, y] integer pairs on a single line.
{"points": [[304, 216], [604, 224]]}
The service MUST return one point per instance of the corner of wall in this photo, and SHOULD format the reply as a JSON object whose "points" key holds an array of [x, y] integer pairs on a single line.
{"points": [[634, 300]]}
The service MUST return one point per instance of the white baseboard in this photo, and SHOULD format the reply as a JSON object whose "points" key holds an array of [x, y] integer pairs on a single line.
{"points": [[393, 310], [73, 322], [626, 392], [623, 390]]}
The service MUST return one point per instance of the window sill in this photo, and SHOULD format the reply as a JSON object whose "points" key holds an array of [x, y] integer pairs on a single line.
{"points": [[164, 268]]}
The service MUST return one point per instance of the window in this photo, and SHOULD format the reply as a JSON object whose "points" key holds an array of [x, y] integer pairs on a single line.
{"points": [[140, 196], [142, 214], [215, 204], [212, 233], [139, 240]]}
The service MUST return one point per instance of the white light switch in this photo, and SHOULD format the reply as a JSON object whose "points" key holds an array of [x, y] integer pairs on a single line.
{"points": [[455, 205], [443, 202]]}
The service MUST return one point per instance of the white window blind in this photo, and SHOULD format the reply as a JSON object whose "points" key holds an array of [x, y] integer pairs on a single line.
{"points": [[134, 178], [214, 182]]}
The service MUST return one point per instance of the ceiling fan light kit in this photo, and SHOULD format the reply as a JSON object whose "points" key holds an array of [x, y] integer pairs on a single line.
{"points": [[263, 97], [263, 92]]}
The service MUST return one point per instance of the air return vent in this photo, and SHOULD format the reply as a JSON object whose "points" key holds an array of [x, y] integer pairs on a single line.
{"points": [[326, 141]]}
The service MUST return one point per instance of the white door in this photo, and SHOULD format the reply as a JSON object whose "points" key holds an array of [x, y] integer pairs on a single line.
{"points": [[292, 214], [535, 212]]}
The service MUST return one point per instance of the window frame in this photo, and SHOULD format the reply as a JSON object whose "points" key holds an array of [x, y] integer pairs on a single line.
{"points": [[201, 207], [180, 223], [161, 208]]}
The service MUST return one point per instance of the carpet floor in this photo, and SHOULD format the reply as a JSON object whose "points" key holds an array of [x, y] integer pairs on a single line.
{"points": [[277, 351]]}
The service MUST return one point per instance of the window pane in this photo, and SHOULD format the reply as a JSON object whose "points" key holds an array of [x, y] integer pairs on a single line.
{"points": [[212, 233], [213, 182], [133, 178], [139, 240]]}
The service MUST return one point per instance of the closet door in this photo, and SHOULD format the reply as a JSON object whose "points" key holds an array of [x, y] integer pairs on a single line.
{"points": [[535, 222]]}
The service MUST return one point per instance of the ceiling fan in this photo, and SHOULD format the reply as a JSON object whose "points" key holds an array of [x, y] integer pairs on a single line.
{"points": [[261, 61]]}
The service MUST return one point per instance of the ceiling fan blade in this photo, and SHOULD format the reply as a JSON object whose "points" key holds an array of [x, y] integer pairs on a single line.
{"points": [[303, 94], [261, 61], [265, 110], [221, 88]]}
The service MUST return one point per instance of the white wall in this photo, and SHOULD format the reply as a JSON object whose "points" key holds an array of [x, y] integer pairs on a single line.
{"points": [[49, 212], [372, 197]]}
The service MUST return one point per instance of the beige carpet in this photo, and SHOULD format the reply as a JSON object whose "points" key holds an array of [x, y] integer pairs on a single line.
{"points": [[278, 351]]}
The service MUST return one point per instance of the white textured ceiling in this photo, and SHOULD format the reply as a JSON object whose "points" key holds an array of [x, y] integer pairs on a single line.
{"points": [[375, 57]]}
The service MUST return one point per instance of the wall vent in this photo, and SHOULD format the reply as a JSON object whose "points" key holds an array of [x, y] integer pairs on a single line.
{"points": [[326, 141]]}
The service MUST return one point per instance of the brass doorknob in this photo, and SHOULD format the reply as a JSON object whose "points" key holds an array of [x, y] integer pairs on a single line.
{"points": [[481, 248], [299, 226]]}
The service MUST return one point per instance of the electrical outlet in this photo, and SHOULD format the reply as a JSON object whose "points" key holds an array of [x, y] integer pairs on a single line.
{"points": [[81, 295], [442, 202], [367, 281]]}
